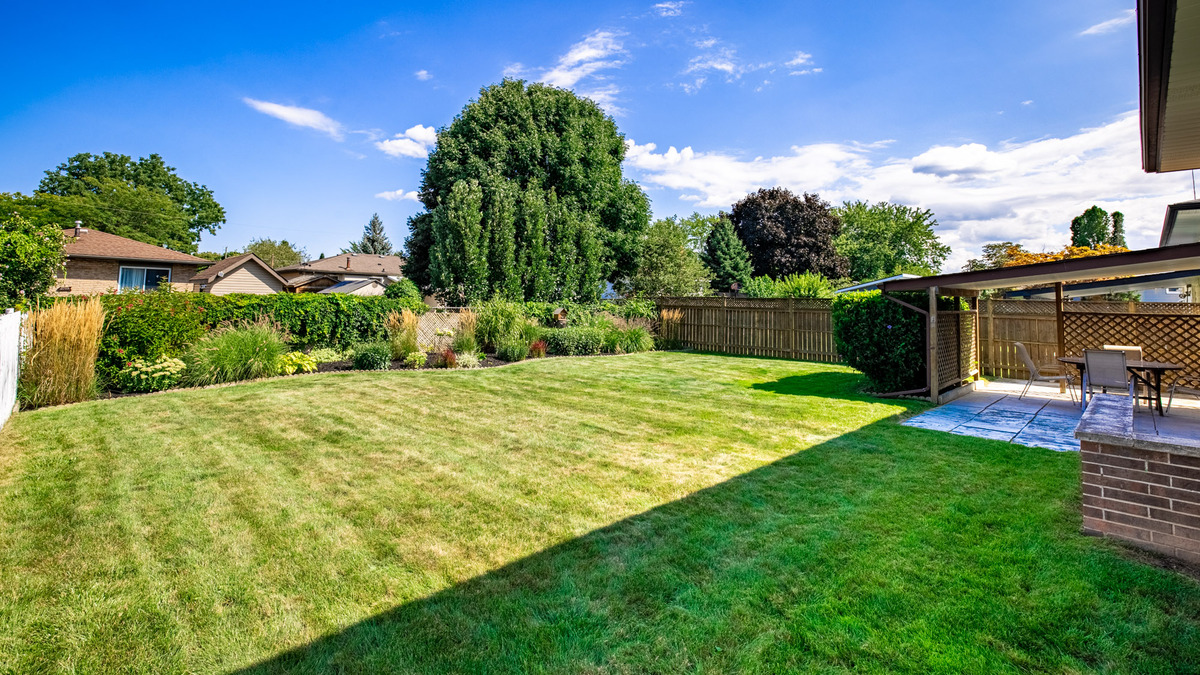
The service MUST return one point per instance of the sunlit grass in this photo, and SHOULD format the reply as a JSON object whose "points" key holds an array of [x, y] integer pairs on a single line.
{"points": [[655, 512]]}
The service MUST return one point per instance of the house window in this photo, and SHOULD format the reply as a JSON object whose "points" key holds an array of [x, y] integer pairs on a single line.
{"points": [[143, 278]]}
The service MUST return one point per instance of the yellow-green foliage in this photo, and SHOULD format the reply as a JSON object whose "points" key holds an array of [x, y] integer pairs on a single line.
{"points": [[402, 333], [61, 345], [293, 362], [142, 375]]}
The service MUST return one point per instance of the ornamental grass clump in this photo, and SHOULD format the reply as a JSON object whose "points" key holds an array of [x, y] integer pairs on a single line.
{"points": [[235, 353], [464, 335], [496, 321], [61, 346], [670, 323], [402, 333], [512, 349], [537, 349], [628, 336]]}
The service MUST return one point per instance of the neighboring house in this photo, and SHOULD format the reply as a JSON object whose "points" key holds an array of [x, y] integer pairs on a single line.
{"points": [[245, 273], [873, 285], [318, 275], [358, 287], [98, 262]]}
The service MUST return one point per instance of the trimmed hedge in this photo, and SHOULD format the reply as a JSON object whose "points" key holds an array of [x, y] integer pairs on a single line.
{"points": [[882, 339]]}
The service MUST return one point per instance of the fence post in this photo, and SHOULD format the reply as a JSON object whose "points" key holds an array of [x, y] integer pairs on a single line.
{"points": [[931, 336], [991, 339], [1060, 329]]}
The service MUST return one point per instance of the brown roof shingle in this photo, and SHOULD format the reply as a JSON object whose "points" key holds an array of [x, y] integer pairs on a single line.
{"points": [[96, 244], [350, 263], [207, 276]]}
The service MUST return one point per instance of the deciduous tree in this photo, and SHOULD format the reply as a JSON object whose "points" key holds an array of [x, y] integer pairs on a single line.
{"points": [[668, 266], [786, 234], [277, 253], [994, 255], [31, 257], [1091, 228], [883, 239]]}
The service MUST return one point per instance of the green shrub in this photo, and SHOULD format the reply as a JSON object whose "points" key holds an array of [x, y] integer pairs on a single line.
{"points": [[327, 355], [404, 289], [293, 362], [573, 340], [497, 320], [416, 360], [883, 340], [231, 354], [372, 356], [628, 337], [145, 327], [144, 376], [807, 285], [512, 349], [469, 360]]}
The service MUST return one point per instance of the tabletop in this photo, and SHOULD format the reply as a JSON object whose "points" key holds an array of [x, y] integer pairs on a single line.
{"points": [[1142, 365]]}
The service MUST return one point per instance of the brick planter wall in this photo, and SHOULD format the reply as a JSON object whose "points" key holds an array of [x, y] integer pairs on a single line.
{"points": [[1149, 498]]}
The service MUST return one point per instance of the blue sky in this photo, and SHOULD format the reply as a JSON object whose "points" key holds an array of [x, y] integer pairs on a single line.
{"points": [[1005, 118]]}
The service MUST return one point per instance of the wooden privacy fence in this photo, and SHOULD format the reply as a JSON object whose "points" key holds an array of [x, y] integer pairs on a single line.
{"points": [[1167, 331], [782, 328]]}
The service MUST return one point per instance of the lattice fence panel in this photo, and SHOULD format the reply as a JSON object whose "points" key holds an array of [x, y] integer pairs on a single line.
{"points": [[436, 329], [1162, 337], [956, 347]]}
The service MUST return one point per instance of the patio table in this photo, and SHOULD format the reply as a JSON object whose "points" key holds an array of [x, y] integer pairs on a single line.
{"points": [[1137, 368]]}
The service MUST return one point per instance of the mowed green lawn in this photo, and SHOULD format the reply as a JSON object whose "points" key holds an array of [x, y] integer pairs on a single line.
{"points": [[662, 512]]}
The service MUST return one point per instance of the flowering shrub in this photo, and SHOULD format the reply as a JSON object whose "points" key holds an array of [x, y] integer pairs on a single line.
{"points": [[468, 360], [294, 362], [146, 327], [154, 375]]}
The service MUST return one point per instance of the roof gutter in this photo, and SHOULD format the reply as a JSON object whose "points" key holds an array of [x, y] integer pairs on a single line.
{"points": [[1156, 33]]}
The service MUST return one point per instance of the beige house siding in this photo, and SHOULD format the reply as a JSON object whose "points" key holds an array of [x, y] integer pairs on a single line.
{"points": [[373, 289], [88, 276], [249, 278]]}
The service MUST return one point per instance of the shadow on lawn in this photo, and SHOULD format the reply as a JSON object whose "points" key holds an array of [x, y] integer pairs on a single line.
{"points": [[844, 386], [792, 566]]}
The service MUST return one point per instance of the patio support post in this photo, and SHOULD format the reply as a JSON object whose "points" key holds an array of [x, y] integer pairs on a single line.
{"points": [[1059, 329], [931, 341]]}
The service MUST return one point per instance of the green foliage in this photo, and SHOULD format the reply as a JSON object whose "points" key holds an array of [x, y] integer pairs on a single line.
{"points": [[698, 228], [464, 342], [807, 285], [525, 199], [496, 321], [293, 362], [416, 360], [372, 356], [512, 349], [994, 256], [374, 239], [633, 308], [668, 267], [276, 254], [537, 349], [573, 340], [102, 184], [1117, 236], [31, 257], [402, 329], [403, 289], [786, 234], [147, 326], [882, 239], [235, 353], [626, 337], [1092, 228], [726, 257], [153, 375], [327, 355]]}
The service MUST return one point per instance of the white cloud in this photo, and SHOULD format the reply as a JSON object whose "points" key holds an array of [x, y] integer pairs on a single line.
{"points": [[800, 59], [414, 142], [670, 8], [423, 75], [1025, 192], [1126, 17], [1026, 102], [300, 117], [585, 59], [514, 70], [807, 71], [399, 195]]}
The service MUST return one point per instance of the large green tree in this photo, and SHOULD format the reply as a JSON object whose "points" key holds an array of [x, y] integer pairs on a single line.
{"points": [[1091, 228], [668, 266], [277, 254], [726, 257], [882, 239], [1117, 236], [31, 256], [108, 185], [374, 239], [556, 216], [786, 234], [995, 255]]}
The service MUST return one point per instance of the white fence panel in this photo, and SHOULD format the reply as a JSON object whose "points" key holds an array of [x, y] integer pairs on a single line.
{"points": [[10, 355]]}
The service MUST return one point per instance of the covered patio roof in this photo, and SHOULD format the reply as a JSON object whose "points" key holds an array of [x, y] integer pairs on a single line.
{"points": [[1169, 74], [1132, 263], [1122, 285]]}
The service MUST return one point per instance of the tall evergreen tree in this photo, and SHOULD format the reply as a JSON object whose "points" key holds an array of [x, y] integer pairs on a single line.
{"points": [[584, 226], [458, 264], [726, 257], [1091, 228], [1117, 237], [374, 239]]}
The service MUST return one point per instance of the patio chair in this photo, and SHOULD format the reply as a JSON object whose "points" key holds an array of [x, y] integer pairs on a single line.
{"points": [[1036, 375], [1183, 385], [1132, 353], [1106, 368]]}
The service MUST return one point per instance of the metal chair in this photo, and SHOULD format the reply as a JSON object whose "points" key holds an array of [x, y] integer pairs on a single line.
{"points": [[1106, 368], [1187, 389], [1132, 353], [1035, 375]]}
